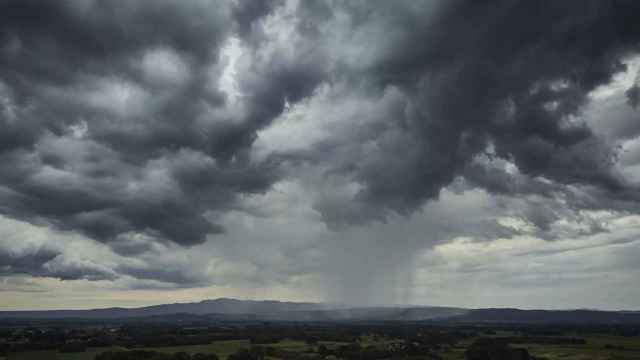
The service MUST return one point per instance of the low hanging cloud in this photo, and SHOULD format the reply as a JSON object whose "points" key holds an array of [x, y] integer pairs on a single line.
{"points": [[26, 250]]}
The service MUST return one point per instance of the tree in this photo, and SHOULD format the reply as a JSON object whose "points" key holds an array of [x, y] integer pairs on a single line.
{"points": [[199, 356], [181, 356], [242, 354]]}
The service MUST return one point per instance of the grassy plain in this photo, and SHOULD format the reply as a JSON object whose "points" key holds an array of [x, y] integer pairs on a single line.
{"points": [[620, 348], [221, 348], [624, 348], [598, 347]]}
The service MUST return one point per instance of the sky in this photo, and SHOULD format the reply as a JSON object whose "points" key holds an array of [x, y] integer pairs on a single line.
{"points": [[442, 152]]}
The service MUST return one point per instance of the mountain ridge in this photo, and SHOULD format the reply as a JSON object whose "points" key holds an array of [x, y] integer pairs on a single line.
{"points": [[229, 309]]}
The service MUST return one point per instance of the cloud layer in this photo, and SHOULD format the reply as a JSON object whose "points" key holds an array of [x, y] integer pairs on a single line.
{"points": [[308, 145]]}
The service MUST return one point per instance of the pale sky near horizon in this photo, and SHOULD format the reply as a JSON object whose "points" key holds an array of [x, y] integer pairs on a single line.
{"points": [[444, 152]]}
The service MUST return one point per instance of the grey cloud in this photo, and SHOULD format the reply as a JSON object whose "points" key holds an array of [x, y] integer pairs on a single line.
{"points": [[176, 277], [633, 93], [463, 91], [247, 13], [633, 96], [476, 75], [64, 269], [339, 212], [113, 124], [544, 252], [46, 262], [25, 263], [459, 94], [20, 283], [91, 143]]}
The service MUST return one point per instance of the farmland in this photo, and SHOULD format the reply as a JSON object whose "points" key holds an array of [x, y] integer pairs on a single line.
{"points": [[356, 342]]}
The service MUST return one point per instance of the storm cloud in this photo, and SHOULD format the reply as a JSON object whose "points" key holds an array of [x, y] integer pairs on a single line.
{"points": [[475, 77], [283, 143], [113, 122]]}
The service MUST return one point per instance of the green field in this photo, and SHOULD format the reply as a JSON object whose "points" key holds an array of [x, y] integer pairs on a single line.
{"points": [[221, 348], [370, 340], [624, 348], [54, 355], [457, 351], [594, 349]]}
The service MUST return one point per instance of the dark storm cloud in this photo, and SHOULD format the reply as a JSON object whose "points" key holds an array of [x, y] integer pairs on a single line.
{"points": [[112, 123], [247, 13], [163, 274], [45, 262], [25, 263], [633, 96], [511, 75]]}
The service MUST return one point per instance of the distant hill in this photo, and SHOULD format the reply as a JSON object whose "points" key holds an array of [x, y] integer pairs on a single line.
{"points": [[241, 310], [369, 314], [517, 316], [268, 310], [222, 306]]}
